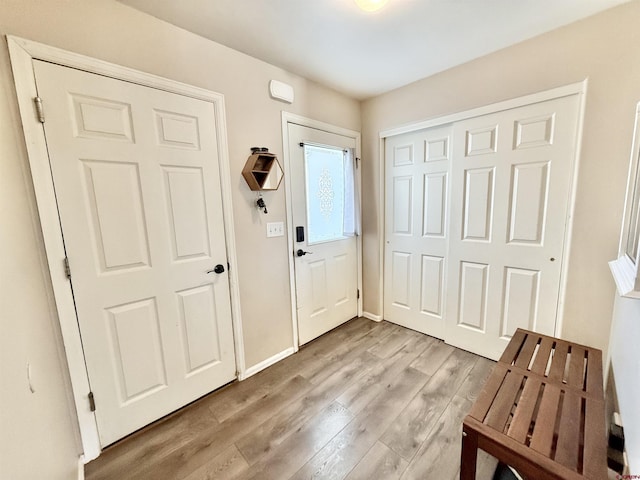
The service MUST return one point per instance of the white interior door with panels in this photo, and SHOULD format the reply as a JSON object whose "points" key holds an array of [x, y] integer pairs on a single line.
{"points": [[322, 179], [514, 171], [137, 182], [417, 185], [474, 238]]}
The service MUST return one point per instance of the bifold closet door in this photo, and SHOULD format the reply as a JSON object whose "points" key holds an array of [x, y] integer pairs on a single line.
{"points": [[475, 222], [512, 171], [416, 229]]}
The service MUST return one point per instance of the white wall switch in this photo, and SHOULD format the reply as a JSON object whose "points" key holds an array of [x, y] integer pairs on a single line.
{"points": [[275, 229]]}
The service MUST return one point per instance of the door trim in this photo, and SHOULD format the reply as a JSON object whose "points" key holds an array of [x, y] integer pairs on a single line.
{"points": [[291, 118], [22, 53], [578, 88]]}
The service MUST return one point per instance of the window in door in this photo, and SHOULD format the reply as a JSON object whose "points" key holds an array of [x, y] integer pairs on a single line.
{"points": [[329, 187]]}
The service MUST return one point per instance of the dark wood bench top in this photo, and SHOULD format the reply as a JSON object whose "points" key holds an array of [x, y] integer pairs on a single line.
{"points": [[542, 409]]}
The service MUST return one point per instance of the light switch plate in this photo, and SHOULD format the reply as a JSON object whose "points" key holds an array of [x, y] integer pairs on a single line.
{"points": [[275, 229]]}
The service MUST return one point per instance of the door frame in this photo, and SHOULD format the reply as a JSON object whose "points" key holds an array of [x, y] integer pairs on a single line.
{"points": [[22, 53], [578, 88], [291, 118]]}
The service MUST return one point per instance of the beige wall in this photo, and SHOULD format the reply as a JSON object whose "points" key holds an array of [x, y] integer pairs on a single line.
{"points": [[38, 430], [604, 49]]}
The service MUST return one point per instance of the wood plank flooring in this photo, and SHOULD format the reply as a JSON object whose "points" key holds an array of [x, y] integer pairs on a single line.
{"points": [[365, 401]]}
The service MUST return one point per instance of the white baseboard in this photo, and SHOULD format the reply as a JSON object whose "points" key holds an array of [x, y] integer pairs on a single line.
{"points": [[372, 316], [266, 363], [81, 467]]}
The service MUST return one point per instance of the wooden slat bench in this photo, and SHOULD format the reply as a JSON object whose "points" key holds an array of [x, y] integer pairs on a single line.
{"points": [[541, 411]]}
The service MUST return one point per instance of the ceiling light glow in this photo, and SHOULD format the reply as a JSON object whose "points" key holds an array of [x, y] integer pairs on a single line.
{"points": [[371, 5]]}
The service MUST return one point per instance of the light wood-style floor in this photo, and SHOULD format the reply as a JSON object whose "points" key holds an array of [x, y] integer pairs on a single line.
{"points": [[366, 401]]}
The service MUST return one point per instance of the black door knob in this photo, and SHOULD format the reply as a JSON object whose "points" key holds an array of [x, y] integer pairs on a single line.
{"points": [[217, 269], [300, 252]]}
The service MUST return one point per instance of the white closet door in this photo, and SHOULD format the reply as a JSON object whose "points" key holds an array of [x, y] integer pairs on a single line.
{"points": [[511, 175], [475, 221], [136, 177], [417, 188]]}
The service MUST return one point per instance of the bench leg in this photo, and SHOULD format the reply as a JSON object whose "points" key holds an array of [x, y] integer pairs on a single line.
{"points": [[469, 455]]}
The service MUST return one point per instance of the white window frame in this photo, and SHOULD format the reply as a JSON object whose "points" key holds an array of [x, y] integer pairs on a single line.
{"points": [[624, 268]]}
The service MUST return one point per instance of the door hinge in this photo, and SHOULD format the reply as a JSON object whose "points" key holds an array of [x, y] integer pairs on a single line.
{"points": [[39, 109], [67, 268], [358, 294], [92, 402], [357, 162]]}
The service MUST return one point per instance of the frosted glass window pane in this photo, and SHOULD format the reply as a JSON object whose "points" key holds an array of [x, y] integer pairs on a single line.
{"points": [[325, 193]]}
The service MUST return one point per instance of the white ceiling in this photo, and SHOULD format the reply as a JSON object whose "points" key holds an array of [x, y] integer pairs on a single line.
{"points": [[365, 54]]}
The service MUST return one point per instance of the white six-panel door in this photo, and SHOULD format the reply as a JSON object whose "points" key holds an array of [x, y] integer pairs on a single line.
{"points": [[417, 185], [495, 264], [513, 172], [136, 177]]}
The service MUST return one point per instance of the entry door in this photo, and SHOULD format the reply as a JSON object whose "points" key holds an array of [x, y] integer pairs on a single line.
{"points": [[512, 173], [325, 247], [417, 184], [136, 178]]}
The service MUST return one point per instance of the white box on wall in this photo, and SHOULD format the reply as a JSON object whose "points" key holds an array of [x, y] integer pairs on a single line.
{"points": [[281, 91]]}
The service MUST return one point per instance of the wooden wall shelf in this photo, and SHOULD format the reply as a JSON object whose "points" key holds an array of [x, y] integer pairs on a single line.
{"points": [[262, 170]]}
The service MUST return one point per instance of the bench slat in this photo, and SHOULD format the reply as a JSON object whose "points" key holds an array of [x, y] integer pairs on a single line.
{"points": [[576, 367], [524, 357], [559, 360], [542, 438], [488, 394], [594, 373], [569, 431], [513, 347], [503, 403], [523, 415], [540, 363], [595, 449]]}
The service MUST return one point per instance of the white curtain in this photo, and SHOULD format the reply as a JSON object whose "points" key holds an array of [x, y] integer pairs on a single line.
{"points": [[351, 223]]}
